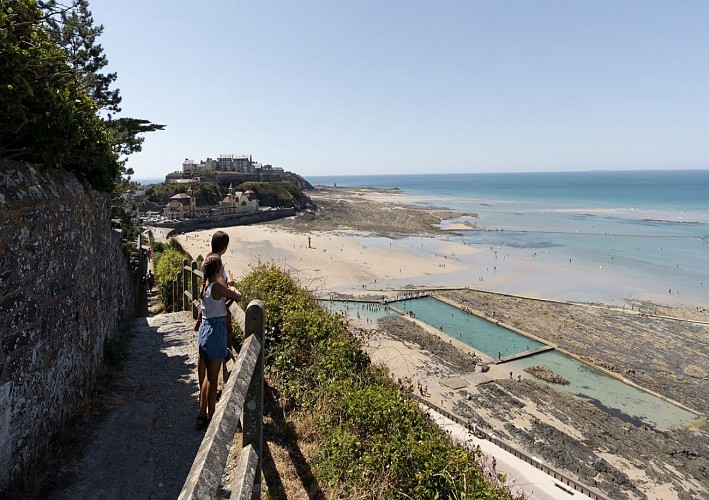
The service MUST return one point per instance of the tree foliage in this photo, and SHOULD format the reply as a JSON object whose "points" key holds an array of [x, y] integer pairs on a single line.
{"points": [[72, 28], [270, 194], [57, 105], [277, 194], [207, 193], [168, 262], [45, 116]]}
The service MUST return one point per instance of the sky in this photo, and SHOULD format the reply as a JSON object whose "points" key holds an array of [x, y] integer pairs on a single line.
{"points": [[322, 87]]}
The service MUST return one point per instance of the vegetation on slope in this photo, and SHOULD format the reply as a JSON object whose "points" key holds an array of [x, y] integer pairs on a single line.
{"points": [[57, 104], [46, 117], [277, 194], [373, 440], [270, 194], [207, 193], [168, 262]]}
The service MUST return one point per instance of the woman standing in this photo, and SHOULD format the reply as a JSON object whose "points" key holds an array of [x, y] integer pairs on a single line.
{"points": [[212, 339]]}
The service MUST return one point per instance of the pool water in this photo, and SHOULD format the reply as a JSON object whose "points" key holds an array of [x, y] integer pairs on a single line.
{"points": [[483, 335], [367, 312], [607, 393]]}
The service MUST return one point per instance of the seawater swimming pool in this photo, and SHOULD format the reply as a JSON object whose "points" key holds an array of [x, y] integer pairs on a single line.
{"points": [[609, 394], [364, 311], [483, 335]]}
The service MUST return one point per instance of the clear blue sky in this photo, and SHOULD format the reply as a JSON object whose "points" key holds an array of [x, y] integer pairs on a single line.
{"points": [[363, 87]]}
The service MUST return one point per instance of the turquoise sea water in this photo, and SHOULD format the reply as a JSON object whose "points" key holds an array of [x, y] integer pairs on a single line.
{"points": [[608, 235]]}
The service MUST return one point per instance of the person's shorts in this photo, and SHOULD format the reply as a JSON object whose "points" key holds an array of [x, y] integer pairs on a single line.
{"points": [[212, 338]]}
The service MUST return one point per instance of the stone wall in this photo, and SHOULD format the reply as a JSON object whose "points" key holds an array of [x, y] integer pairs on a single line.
{"points": [[65, 288], [229, 220]]}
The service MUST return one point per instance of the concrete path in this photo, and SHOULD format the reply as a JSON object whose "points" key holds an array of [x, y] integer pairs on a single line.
{"points": [[522, 478], [144, 447]]}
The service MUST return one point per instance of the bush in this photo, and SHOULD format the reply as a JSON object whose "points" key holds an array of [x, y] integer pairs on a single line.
{"points": [[373, 436], [277, 194], [168, 262]]}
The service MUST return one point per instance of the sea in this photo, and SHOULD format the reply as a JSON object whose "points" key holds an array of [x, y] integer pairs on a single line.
{"points": [[607, 236], [148, 181]]}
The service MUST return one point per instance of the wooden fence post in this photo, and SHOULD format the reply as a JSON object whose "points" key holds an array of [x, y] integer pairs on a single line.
{"points": [[185, 285], [176, 299], [193, 288], [253, 404]]}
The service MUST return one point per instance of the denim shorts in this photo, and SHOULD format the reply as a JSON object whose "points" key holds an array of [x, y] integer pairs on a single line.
{"points": [[212, 338]]}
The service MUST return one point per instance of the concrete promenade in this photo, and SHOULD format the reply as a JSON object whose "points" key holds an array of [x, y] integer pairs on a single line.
{"points": [[522, 477]]}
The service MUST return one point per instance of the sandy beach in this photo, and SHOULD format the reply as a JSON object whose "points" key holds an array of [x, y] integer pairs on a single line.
{"points": [[370, 242]]}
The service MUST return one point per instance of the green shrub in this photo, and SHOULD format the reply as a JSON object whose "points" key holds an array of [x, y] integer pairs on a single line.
{"points": [[373, 437], [168, 263]]}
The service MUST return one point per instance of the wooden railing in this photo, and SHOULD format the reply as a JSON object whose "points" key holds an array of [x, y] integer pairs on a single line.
{"points": [[241, 402]]}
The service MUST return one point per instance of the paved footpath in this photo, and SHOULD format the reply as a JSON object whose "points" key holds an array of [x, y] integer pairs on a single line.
{"points": [[144, 446]]}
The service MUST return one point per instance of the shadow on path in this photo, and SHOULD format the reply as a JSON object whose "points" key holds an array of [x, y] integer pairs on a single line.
{"points": [[144, 446]]}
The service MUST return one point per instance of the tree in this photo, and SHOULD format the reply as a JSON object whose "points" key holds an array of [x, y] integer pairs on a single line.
{"points": [[73, 29], [46, 118]]}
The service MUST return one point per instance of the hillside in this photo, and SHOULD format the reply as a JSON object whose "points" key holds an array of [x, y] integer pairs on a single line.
{"points": [[270, 194]]}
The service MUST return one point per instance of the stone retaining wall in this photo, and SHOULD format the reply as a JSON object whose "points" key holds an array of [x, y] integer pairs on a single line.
{"points": [[228, 220], [65, 288]]}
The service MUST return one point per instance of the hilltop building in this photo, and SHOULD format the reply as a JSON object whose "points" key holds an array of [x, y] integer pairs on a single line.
{"points": [[184, 205], [242, 164]]}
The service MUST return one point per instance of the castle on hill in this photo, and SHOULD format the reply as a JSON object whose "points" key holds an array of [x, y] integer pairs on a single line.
{"points": [[243, 164], [235, 169], [184, 205]]}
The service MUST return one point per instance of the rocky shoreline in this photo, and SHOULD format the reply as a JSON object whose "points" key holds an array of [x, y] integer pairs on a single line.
{"points": [[624, 459], [545, 373], [354, 208]]}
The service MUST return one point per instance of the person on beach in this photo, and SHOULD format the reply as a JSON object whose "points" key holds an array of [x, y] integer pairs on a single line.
{"points": [[212, 339]]}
